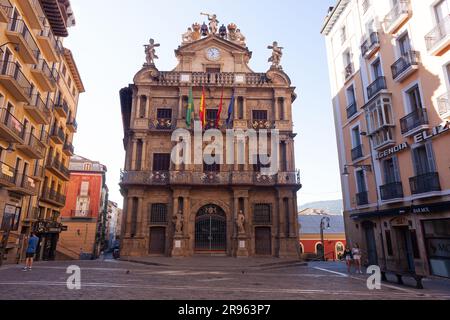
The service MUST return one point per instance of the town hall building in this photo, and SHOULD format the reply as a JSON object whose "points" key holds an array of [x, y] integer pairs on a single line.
{"points": [[231, 209]]}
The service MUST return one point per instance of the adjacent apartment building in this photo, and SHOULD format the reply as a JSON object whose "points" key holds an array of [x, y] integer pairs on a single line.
{"points": [[85, 212], [39, 90], [230, 209], [389, 64]]}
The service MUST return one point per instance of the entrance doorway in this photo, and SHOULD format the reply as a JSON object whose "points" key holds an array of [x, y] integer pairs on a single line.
{"points": [[157, 240], [211, 230], [263, 241], [406, 249], [369, 231]]}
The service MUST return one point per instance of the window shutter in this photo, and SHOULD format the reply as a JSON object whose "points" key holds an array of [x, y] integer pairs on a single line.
{"points": [[417, 163], [397, 174], [430, 156]]}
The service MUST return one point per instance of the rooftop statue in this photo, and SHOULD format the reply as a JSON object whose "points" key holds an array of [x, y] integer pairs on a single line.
{"points": [[187, 37], [213, 22], [277, 54], [196, 34], [150, 52], [204, 30]]}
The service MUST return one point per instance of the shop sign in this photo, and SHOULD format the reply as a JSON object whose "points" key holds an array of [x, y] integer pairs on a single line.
{"points": [[425, 136], [392, 151], [421, 210], [439, 248]]}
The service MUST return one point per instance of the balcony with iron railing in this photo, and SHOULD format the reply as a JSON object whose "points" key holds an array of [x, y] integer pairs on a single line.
{"points": [[25, 185], [33, 214], [358, 152], [362, 198], [72, 125], [227, 79], [57, 135], [162, 124], [39, 110], [48, 43], [438, 39], [38, 173], [53, 197], [58, 168], [81, 214], [68, 149], [397, 16], [33, 11], [44, 75], [414, 122], [261, 124], [221, 178], [11, 129], [444, 105], [19, 33], [13, 79], [352, 109], [61, 108], [391, 191], [33, 146], [377, 86], [5, 11], [405, 66], [371, 45], [424, 183], [7, 175]]}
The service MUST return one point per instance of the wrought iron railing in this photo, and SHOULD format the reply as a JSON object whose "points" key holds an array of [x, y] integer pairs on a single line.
{"points": [[413, 120], [6, 7], [428, 182], [25, 182], [35, 143], [391, 191], [439, 32], [19, 26], [47, 32], [56, 164], [401, 8], [11, 122], [206, 78], [412, 58], [372, 41], [362, 198], [376, 86], [49, 73], [38, 103], [52, 195], [58, 132], [357, 152], [69, 148], [348, 71], [7, 173], [12, 70], [352, 110]]}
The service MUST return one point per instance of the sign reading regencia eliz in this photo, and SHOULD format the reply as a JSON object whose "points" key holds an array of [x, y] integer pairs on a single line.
{"points": [[393, 150], [424, 136]]}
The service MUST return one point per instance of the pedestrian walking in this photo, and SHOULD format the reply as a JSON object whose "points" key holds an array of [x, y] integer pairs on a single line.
{"points": [[31, 251], [348, 256], [356, 251]]}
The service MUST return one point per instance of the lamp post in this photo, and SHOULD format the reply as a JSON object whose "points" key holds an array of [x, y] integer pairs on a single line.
{"points": [[322, 229]]}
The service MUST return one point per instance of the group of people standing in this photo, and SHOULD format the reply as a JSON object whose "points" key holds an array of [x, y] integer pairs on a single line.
{"points": [[351, 256]]}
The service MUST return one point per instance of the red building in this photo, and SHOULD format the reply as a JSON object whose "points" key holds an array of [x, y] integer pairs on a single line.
{"points": [[85, 211], [310, 237]]}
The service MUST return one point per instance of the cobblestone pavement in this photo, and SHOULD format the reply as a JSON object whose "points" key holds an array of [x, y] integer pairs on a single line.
{"points": [[204, 279]]}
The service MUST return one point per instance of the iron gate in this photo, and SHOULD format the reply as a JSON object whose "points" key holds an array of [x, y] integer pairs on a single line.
{"points": [[211, 229]]}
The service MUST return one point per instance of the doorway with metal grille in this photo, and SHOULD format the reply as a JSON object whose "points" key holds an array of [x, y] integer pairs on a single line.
{"points": [[211, 230]]}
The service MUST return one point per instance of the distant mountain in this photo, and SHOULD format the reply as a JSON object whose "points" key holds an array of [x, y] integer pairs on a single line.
{"points": [[334, 207]]}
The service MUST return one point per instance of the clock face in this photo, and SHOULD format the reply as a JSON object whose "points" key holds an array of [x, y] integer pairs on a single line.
{"points": [[213, 54]]}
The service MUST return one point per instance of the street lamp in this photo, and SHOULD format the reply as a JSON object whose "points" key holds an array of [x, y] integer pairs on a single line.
{"points": [[324, 224]]}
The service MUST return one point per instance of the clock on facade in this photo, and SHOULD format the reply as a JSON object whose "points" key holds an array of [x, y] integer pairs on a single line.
{"points": [[213, 54]]}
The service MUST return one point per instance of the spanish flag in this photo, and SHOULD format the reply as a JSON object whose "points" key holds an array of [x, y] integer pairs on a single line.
{"points": [[190, 109], [203, 108]]}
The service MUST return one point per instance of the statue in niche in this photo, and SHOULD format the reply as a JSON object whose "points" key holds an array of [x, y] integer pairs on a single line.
{"points": [[178, 221], [277, 54], [150, 52], [241, 222]]}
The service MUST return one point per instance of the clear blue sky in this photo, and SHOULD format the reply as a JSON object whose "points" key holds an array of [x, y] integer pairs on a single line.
{"points": [[108, 46]]}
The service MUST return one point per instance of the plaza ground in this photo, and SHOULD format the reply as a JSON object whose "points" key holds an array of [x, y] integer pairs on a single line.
{"points": [[205, 278]]}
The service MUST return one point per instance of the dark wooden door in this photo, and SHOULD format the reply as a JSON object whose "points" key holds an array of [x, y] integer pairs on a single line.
{"points": [[157, 240], [263, 241]]}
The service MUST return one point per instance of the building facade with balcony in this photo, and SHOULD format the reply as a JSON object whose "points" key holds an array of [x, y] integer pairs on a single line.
{"points": [[209, 197], [36, 74], [85, 209], [393, 129]]}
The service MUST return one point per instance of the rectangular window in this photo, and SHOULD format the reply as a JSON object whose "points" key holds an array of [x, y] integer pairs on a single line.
{"points": [[351, 97], [390, 249], [211, 114], [84, 189], [414, 98], [356, 137], [361, 181], [260, 115], [377, 69], [158, 213], [164, 113], [211, 167], [161, 162], [262, 214], [423, 159], [404, 44], [391, 170]]}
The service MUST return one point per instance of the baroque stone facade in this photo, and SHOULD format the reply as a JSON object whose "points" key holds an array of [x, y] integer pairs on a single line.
{"points": [[207, 199]]}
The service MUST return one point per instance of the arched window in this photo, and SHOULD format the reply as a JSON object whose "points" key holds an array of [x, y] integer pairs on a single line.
{"points": [[319, 249]]}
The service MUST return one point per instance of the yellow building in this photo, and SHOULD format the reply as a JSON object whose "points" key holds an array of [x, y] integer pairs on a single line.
{"points": [[39, 89], [389, 71]]}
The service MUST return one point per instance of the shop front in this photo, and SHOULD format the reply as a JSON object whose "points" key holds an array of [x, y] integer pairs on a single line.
{"points": [[437, 242], [48, 233]]}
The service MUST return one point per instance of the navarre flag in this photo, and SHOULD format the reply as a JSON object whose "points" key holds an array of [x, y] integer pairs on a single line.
{"points": [[190, 109]]}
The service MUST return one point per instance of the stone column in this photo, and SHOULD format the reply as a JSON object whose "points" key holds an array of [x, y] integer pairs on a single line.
{"points": [[235, 215], [129, 214], [140, 214], [291, 217], [145, 219], [281, 215], [144, 155], [186, 212], [147, 107], [133, 154]]}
